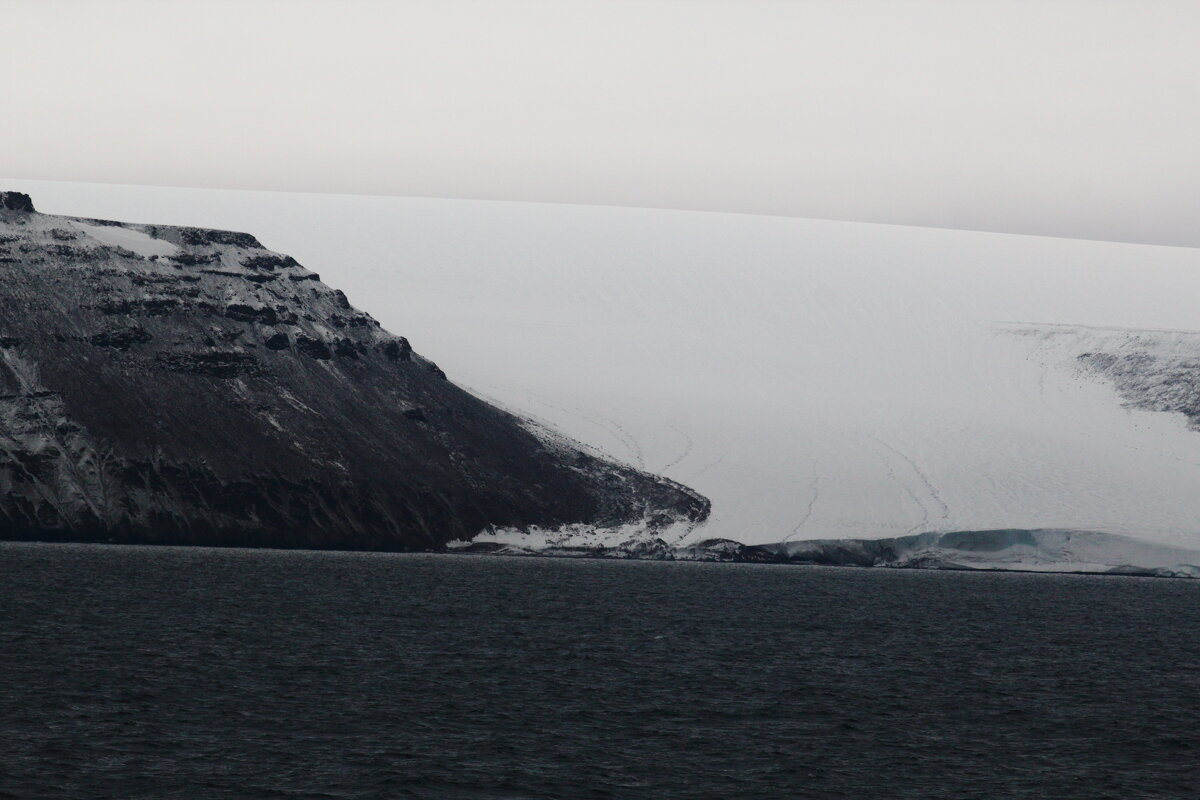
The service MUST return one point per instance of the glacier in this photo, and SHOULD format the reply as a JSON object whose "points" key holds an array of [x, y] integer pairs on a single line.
{"points": [[819, 381]]}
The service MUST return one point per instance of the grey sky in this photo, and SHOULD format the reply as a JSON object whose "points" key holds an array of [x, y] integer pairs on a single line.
{"points": [[1070, 118]]}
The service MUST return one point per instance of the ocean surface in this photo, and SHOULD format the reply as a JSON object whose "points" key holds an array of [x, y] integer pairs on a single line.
{"points": [[134, 672]]}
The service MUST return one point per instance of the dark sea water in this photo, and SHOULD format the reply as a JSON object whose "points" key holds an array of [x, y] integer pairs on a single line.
{"points": [[147, 673]]}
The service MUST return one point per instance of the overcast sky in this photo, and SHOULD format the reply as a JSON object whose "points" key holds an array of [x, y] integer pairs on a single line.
{"points": [[1073, 118]]}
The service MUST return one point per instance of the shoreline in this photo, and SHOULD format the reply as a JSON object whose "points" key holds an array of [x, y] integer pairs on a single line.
{"points": [[461, 552]]}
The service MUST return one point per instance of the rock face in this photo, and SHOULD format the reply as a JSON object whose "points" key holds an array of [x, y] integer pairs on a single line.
{"points": [[15, 201], [187, 386]]}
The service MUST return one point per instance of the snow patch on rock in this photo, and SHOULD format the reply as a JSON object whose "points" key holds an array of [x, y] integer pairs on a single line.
{"points": [[127, 237], [638, 540]]}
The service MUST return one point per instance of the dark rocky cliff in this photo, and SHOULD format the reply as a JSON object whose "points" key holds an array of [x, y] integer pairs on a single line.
{"points": [[187, 386]]}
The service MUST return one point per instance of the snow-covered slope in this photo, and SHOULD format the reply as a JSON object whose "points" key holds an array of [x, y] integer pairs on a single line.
{"points": [[816, 380]]}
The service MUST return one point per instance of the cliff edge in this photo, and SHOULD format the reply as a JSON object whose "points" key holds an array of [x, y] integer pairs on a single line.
{"points": [[181, 385]]}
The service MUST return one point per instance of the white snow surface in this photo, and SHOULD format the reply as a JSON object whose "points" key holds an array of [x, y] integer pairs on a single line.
{"points": [[130, 238], [814, 379]]}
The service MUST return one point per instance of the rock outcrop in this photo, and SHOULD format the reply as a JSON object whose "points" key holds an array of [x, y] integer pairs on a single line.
{"points": [[187, 386], [16, 201]]}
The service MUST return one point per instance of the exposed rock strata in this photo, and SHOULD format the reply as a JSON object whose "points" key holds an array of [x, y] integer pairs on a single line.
{"points": [[181, 385]]}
